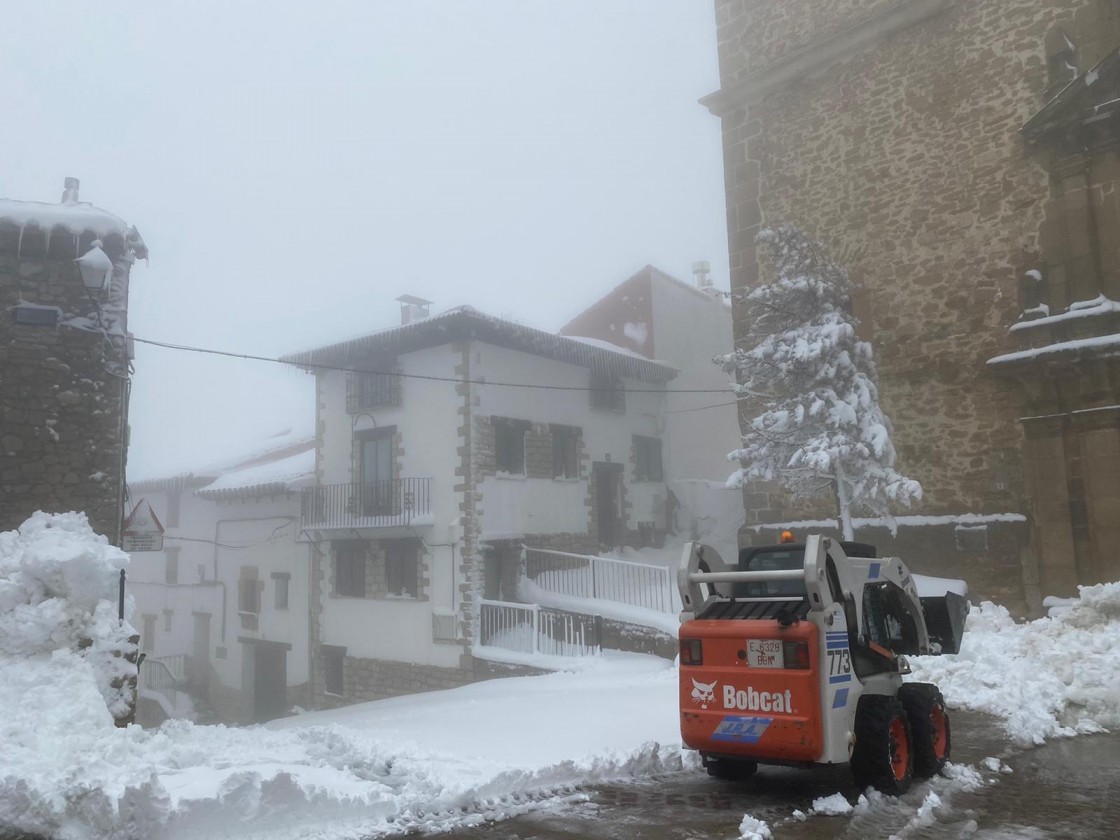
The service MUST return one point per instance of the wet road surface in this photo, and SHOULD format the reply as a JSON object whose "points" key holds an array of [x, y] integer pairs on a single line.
{"points": [[1065, 789]]}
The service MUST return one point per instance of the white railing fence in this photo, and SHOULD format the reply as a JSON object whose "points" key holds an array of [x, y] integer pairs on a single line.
{"points": [[529, 628], [160, 675], [587, 576]]}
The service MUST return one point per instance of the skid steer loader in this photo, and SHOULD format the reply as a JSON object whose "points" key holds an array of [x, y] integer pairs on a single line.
{"points": [[796, 656]]}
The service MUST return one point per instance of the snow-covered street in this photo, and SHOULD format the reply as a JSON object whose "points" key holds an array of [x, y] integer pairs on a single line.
{"points": [[443, 760]]}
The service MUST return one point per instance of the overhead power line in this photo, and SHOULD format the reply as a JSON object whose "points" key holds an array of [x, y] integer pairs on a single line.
{"points": [[452, 379]]}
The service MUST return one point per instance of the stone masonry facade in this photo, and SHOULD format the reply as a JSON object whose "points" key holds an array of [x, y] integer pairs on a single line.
{"points": [[890, 129], [63, 388]]}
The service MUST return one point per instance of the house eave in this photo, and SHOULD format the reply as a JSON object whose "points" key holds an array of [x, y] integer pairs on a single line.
{"points": [[468, 325]]}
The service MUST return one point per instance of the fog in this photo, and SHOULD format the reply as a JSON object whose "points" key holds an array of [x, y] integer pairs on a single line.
{"points": [[295, 167]]}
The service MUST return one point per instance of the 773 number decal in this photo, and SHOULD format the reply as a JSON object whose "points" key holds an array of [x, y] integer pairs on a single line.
{"points": [[839, 662]]}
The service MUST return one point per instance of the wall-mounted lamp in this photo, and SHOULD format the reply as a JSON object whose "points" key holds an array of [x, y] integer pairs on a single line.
{"points": [[96, 267]]}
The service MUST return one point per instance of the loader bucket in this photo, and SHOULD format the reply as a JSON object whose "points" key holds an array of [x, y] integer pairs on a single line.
{"points": [[945, 615]]}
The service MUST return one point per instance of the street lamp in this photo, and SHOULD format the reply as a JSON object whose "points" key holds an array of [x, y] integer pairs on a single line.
{"points": [[96, 267]]}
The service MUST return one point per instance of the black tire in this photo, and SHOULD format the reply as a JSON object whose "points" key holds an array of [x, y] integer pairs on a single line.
{"points": [[729, 769], [883, 757], [930, 732]]}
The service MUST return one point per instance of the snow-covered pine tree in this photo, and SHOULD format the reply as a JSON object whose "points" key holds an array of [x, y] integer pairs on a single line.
{"points": [[812, 388]]}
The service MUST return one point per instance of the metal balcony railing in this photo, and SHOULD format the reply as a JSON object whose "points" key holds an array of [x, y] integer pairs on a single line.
{"points": [[377, 504], [586, 576], [528, 628]]}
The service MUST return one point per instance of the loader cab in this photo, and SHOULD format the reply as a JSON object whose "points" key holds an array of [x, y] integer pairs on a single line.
{"points": [[887, 629], [771, 558]]}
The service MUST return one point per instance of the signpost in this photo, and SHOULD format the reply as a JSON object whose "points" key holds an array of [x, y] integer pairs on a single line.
{"points": [[142, 530]]}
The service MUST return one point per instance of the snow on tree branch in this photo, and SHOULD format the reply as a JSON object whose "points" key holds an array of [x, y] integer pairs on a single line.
{"points": [[814, 387]]}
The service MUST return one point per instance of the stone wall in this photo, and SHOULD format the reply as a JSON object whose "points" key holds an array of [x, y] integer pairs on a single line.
{"points": [[905, 156], [62, 412], [752, 35], [376, 679]]}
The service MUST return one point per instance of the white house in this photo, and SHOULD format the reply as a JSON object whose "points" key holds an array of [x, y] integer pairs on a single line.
{"points": [[444, 444], [661, 317], [687, 325], [223, 606]]}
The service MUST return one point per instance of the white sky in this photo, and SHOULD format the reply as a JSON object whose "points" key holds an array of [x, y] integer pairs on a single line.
{"points": [[295, 167]]}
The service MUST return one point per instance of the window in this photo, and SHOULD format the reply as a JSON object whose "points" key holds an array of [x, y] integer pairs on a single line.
{"points": [[173, 503], [167, 621], [280, 584], [565, 462], [350, 569], [148, 642], [370, 390], [248, 591], [647, 459], [607, 393], [171, 569], [378, 491], [401, 567], [332, 669], [509, 445]]}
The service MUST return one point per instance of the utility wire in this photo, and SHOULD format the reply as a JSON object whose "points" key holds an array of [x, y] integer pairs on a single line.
{"points": [[452, 379]]}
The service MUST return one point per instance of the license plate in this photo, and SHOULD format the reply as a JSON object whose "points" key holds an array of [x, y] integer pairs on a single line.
{"points": [[765, 653]]}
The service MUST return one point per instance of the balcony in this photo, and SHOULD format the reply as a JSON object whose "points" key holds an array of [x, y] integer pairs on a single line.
{"points": [[379, 504]]}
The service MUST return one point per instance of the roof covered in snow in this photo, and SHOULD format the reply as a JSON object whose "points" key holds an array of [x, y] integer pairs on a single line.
{"points": [[284, 462], [465, 323], [76, 218], [265, 479]]}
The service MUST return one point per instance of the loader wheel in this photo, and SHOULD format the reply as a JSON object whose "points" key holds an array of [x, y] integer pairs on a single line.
{"points": [[929, 727], [729, 770], [882, 757]]}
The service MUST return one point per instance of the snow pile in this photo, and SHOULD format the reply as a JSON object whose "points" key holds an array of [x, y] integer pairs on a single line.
{"points": [[1056, 676], [58, 595], [422, 763], [832, 806], [754, 829]]}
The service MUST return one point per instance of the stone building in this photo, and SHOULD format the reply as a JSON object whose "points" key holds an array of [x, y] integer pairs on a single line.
{"points": [[64, 359], [960, 158]]}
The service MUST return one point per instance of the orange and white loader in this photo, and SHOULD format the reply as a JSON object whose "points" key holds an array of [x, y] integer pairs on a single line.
{"points": [[796, 656]]}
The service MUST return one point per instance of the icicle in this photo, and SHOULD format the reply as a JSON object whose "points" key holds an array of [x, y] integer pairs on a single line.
{"points": [[19, 244], [47, 242]]}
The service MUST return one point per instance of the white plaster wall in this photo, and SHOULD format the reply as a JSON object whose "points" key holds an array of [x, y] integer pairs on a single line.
{"points": [[518, 505], [208, 576], [391, 629], [427, 420], [689, 329], [512, 505], [265, 529], [146, 576]]}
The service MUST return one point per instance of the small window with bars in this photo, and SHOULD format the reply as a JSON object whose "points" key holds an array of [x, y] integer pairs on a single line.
{"points": [[249, 592], [607, 393], [565, 451], [402, 567], [647, 459], [372, 390], [509, 445], [350, 569]]}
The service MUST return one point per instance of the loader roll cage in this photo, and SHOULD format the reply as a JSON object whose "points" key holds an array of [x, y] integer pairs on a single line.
{"points": [[785, 582]]}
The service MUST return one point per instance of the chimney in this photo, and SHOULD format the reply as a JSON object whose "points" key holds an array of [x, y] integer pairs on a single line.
{"points": [[70, 191], [413, 308], [700, 270]]}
